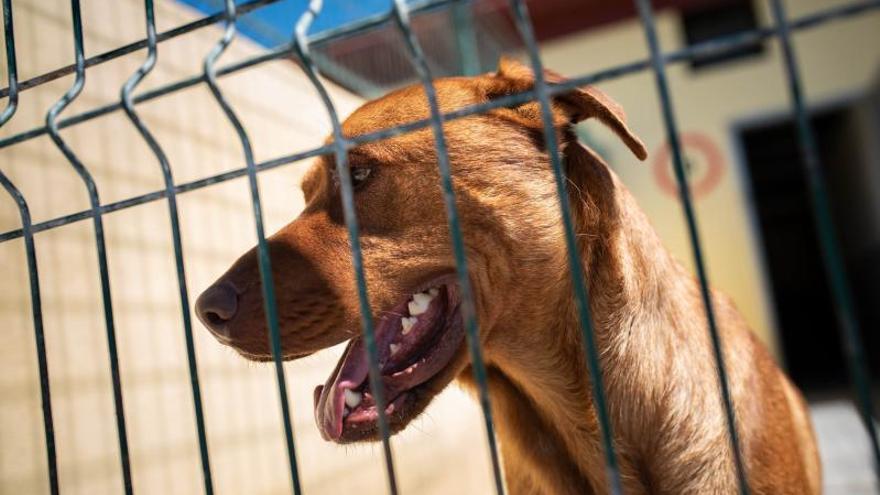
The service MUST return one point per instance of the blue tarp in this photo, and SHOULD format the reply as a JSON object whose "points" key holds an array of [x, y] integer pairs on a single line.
{"points": [[273, 24]]}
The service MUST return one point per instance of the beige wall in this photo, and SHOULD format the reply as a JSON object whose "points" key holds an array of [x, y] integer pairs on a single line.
{"points": [[442, 452], [836, 60]]}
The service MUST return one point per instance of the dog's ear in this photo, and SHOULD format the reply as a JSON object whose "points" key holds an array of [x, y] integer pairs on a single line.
{"points": [[568, 108]]}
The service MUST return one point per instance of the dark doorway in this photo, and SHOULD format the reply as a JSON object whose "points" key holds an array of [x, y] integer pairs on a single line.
{"points": [[809, 333]]}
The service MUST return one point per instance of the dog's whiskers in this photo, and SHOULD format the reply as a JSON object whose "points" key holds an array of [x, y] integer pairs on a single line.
{"points": [[391, 313]]}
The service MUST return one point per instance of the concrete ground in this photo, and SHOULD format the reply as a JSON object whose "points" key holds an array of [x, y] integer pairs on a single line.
{"points": [[844, 448]]}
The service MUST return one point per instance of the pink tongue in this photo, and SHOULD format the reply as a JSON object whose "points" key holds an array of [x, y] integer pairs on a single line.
{"points": [[330, 398]]}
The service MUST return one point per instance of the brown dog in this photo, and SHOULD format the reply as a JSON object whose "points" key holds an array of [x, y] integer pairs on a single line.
{"points": [[663, 397]]}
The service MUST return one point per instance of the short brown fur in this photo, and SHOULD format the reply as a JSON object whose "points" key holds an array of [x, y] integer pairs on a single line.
{"points": [[658, 367]]}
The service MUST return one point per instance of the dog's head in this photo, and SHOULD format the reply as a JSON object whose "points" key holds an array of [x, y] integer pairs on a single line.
{"points": [[507, 209]]}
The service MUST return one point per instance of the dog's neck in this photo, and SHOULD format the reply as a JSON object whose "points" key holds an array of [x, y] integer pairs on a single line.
{"points": [[551, 383]]}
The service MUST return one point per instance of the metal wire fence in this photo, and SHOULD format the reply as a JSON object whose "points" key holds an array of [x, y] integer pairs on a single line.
{"points": [[299, 46]]}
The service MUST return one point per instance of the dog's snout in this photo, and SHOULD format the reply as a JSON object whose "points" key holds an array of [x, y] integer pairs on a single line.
{"points": [[217, 306]]}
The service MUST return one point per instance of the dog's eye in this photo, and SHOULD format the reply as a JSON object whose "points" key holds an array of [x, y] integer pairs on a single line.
{"points": [[359, 176]]}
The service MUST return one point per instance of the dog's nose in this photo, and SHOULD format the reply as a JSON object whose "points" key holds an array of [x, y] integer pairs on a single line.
{"points": [[217, 306]]}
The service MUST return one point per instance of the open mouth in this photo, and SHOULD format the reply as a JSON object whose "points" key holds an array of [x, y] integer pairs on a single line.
{"points": [[416, 340]]}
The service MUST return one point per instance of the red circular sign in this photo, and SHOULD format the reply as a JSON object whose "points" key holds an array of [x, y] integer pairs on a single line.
{"points": [[704, 165]]}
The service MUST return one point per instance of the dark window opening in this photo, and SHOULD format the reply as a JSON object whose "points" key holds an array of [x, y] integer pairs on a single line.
{"points": [[720, 20], [809, 333]]}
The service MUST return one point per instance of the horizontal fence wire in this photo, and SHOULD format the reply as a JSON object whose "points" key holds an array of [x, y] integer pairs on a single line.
{"points": [[31, 255], [834, 266], [165, 166], [649, 27], [340, 152], [724, 44], [263, 259], [100, 244], [298, 47], [468, 308], [575, 264]]}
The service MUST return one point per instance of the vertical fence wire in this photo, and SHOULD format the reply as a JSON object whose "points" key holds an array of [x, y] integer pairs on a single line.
{"points": [[468, 50], [31, 254], [39, 335], [162, 159], [835, 271], [521, 18], [265, 267], [340, 151], [648, 23], [100, 244], [11, 65], [417, 56]]}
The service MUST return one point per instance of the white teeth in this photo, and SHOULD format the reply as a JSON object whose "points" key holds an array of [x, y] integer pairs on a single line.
{"points": [[433, 291], [419, 303], [352, 399], [394, 348], [407, 323]]}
